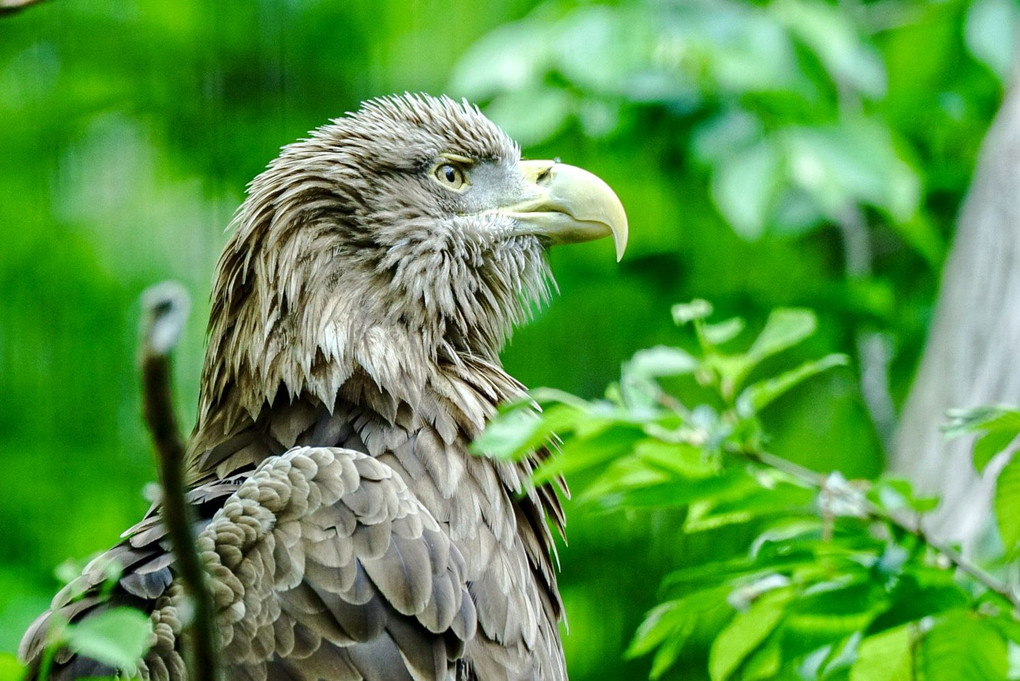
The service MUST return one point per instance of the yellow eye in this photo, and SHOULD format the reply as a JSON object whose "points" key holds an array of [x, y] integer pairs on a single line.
{"points": [[450, 176]]}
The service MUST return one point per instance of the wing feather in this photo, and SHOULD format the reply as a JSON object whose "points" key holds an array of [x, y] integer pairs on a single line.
{"points": [[320, 555]]}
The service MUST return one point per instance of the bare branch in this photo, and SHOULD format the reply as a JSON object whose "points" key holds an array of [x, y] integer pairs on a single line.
{"points": [[165, 308]]}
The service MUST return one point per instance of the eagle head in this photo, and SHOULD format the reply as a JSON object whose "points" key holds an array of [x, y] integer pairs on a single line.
{"points": [[394, 239]]}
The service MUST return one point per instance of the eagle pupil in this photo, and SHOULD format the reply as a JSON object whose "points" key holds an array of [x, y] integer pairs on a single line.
{"points": [[449, 175]]}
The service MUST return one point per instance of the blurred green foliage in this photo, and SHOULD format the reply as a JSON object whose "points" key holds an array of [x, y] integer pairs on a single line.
{"points": [[744, 138]]}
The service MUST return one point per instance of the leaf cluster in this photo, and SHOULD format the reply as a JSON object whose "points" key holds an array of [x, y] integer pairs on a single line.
{"points": [[839, 581]]}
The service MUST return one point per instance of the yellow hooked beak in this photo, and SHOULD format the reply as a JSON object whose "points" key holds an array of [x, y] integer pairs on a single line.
{"points": [[567, 205]]}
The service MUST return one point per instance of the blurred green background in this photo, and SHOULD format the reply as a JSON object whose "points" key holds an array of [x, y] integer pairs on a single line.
{"points": [[780, 153]]}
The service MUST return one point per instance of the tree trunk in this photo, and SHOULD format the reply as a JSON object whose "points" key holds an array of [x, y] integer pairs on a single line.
{"points": [[973, 352]]}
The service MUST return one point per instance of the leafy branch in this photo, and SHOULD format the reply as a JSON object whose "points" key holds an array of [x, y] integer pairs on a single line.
{"points": [[841, 581], [834, 485]]}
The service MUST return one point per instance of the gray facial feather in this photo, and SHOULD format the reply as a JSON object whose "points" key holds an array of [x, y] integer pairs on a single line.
{"points": [[347, 256]]}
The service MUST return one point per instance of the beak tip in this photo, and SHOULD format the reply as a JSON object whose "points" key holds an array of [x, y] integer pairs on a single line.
{"points": [[589, 207], [620, 236]]}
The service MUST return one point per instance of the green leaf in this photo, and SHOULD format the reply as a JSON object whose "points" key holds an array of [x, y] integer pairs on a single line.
{"points": [[720, 333], [897, 494], [989, 445], [758, 395], [508, 433], [985, 417], [599, 118], [832, 610], [618, 41], [836, 664], [69, 570], [966, 421], [118, 637], [830, 34], [669, 625], [639, 390], [742, 570], [919, 231], [962, 646], [764, 663], [849, 604], [888, 656], [920, 592], [676, 493], [667, 654], [745, 185], [679, 459], [717, 137], [10, 668], [510, 58], [784, 328], [549, 396], [854, 162], [1002, 418], [990, 31], [520, 430], [780, 499], [531, 116], [1007, 505], [620, 478], [1009, 628], [665, 474], [661, 361], [603, 444], [664, 621], [1000, 426], [745, 632], [684, 313]]}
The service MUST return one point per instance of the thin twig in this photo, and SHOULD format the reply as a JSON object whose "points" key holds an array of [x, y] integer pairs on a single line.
{"points": [[165, 307]]}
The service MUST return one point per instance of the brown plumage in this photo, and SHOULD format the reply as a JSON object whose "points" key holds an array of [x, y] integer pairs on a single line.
{"points": [[374, 272]]}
